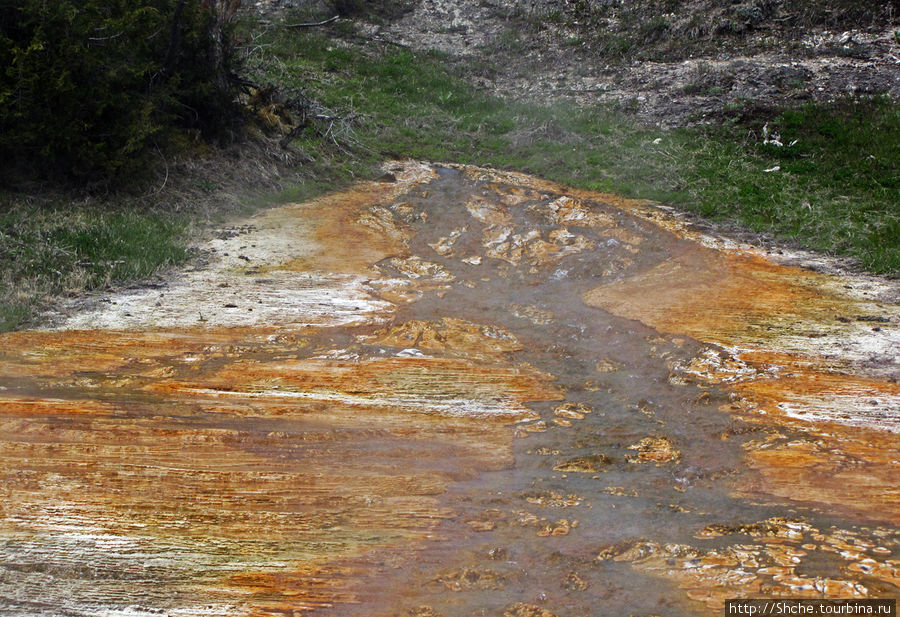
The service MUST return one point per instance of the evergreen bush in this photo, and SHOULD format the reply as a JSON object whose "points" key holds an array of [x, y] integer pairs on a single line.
{"points": [[90, 88]]}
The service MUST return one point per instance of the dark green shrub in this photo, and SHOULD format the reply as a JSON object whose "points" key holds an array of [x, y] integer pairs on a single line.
{"points": [[89, 89]]}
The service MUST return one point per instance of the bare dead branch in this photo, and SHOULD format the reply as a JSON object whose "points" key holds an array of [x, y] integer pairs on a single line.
{"points": [[313, 25], [105, 38]]}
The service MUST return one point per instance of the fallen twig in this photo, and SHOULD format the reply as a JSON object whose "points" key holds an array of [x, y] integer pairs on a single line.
{"points": [[381, 39], [313, 25]]}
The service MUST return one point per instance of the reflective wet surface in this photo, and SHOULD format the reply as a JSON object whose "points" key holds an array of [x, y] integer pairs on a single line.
{"points": [[458, 392]]}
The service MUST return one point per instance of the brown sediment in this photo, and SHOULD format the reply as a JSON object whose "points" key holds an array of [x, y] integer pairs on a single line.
{"points": [[561, 527], [619, 491], [516, 195], [472, 578], [607, 366], [552, 499], [572, 411], [422, 611], [593, 463], [534, 314], [521, 609], [481, 525]]}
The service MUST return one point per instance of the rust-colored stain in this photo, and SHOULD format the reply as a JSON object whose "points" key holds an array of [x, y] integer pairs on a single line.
{"points": [[733, 299], [462, 392], [186, 462], [785, 330]]}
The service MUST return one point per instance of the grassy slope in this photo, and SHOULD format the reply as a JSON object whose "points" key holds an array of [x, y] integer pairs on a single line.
{"points": [[836, 189]]}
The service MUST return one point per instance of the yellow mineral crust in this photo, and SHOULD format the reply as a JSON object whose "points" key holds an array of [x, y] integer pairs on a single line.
{"points": [[448, 335], [770, 563], [656, 450]]}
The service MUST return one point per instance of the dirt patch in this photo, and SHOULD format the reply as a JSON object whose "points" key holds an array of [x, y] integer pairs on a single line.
{"points": [[669, 63]]}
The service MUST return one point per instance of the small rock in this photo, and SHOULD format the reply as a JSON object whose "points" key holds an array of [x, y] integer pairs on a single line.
{"points": [[520, 609], [584, 464]]}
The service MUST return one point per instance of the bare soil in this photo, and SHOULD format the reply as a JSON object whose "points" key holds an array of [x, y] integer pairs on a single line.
{"points": [[562, 60], [701, 62]]}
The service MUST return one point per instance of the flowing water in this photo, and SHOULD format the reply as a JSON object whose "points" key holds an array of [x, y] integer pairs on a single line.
{"points": [[455, 392]]}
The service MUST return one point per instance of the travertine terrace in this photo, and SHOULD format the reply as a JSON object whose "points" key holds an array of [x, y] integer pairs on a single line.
{"points": [[454, 392]]}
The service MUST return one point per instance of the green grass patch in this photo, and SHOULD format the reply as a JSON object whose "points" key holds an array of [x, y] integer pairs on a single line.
{"points": [[833, 184], [53, 250]]}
